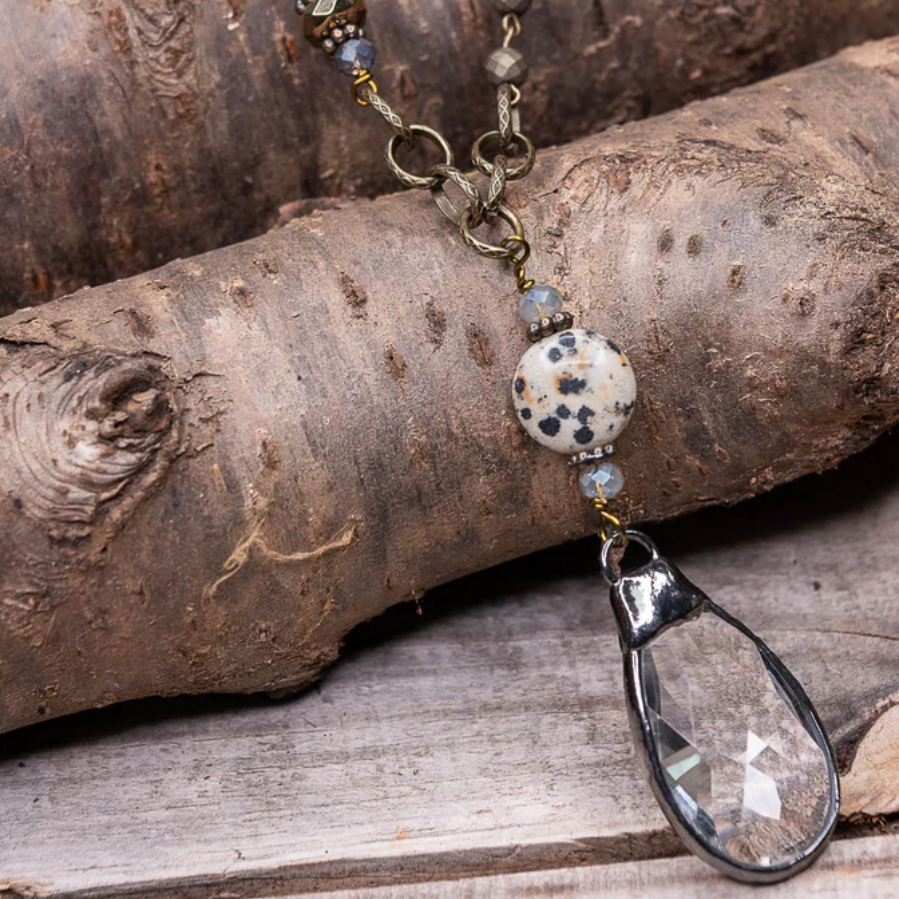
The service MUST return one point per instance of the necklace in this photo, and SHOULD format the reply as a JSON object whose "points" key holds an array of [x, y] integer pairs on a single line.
{"points": [[733, 748]]}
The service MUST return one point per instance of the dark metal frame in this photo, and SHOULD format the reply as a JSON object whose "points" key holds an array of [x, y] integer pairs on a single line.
{"points": [[675, 599]]}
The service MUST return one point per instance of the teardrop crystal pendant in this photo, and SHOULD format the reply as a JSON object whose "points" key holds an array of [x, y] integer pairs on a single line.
{"points": [[735, 752]]}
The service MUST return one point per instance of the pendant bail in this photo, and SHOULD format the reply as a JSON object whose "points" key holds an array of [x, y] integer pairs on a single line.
{"points": [[650, 599]]}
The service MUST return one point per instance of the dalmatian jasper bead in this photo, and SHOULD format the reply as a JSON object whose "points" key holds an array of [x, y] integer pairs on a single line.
{"points": [[574, 391]]}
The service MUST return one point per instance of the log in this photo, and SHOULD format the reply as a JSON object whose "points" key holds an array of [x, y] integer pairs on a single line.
{"points": [[209, 474], [135, 131], [486, 737]]}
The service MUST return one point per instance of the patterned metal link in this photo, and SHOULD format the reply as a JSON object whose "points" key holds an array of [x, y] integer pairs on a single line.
{"points": [[475, 202], [504, 114], [485, 167], [379, 104], [507, 143], [490, 250], [497, 190], [407, 179]]}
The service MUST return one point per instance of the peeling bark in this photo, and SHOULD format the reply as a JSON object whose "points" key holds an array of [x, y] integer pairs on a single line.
{"points": [[289, 435], [134, 132]]}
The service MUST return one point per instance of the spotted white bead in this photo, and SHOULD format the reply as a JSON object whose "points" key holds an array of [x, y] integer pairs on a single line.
{"points": [[574, 391]]}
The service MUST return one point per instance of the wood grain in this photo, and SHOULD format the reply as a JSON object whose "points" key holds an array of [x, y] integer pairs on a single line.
{"points": [[855, 869], [136, 131], [485, 736], [287, 436]]}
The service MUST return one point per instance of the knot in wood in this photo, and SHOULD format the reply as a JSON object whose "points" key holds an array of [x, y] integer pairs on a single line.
{"points": [[77, 429]]}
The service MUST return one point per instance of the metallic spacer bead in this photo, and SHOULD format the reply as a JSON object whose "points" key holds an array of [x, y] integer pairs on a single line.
{"points": [[338, 35], [562, 321], [546, 327], [321, 17], [329, 46], [588, 457]]}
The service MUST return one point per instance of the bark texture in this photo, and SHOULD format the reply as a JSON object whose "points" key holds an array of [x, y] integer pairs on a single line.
{"points": [[135, 131], [210, 473]]}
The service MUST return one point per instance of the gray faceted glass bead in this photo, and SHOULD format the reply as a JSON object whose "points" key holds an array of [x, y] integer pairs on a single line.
{"points": [[355, 56], [506, 66], [541, 301], [517, 6], [603, 481]]}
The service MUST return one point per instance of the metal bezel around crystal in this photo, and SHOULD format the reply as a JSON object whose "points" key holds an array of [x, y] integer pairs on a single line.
{"points": [[641, 726]]}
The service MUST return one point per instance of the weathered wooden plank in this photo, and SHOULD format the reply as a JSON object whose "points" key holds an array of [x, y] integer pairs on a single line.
{"points": [[487, 736], [854, 869]]}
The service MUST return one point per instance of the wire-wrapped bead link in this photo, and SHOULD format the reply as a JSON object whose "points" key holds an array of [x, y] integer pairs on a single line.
{"points": [[506, 142]]}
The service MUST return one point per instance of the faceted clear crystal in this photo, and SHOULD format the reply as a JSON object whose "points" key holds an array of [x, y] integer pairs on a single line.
{"points": [[742, 768]]}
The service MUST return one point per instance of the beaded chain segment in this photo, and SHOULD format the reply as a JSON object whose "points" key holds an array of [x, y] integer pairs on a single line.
{"points": [[574, 390], [736, 754]]}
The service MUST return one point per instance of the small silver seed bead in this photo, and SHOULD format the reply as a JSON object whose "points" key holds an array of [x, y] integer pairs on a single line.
{"points": [[338, 35], [589, 457], [328, 45]]}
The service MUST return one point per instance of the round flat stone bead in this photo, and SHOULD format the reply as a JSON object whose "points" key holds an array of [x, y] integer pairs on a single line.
{"points": [[541, 301], [574, 391], [355, 56], [604, 481]]}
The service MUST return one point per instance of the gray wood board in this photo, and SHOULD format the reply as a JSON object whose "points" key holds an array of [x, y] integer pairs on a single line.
{"points": [[853, 869], [486, 736]]}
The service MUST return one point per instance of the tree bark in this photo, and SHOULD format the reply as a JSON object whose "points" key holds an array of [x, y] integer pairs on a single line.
{"points": [[210, 473], [135, 131]]}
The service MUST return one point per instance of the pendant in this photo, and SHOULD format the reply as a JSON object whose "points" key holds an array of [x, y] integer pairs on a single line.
{"points": [[734, 750]]}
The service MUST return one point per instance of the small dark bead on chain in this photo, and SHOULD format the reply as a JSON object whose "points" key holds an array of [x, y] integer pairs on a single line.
{"points": [[321, 18], [519, 7], [506, 65]]}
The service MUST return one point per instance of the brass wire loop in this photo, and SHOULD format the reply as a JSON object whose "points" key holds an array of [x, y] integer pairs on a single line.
{"points": [[365, 78], [610, 526], [511, 28], [519, 260]]}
